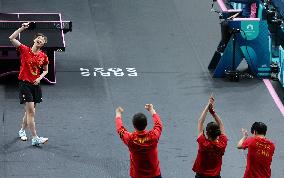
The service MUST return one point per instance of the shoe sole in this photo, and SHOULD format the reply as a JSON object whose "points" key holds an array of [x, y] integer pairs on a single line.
{"points": [[24, 139], [40, 143]]}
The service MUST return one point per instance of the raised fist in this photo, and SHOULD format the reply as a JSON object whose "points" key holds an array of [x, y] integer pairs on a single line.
{"points": [[149, 107], [25, 25]]}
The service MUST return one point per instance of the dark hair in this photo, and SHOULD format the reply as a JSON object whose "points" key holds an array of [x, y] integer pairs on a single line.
{"points": [[259, 128], [213, 130], [40, 34], [139, 121]]}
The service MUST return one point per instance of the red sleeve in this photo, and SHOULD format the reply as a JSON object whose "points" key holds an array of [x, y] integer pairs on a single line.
{"points": [[22, 48], [201, 139], [273, 148], [158, 126], [45, 62], [121, 130], [247, 142], [223, 139]]}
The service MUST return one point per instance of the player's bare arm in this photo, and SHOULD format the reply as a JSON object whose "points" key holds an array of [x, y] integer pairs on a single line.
{"points": [[202, 118], [216, 117], [13, 37], [44, 72], [245, 136]]}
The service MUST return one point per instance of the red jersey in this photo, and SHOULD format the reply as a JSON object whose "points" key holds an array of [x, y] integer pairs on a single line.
{"points": [[209, 156], [143, 148], [30, 63], [259, 158]]}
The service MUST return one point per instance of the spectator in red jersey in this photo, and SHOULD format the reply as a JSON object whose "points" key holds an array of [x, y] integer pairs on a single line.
{"points": [[211, 147], [142, 144], [260, 151], [32, 61]]}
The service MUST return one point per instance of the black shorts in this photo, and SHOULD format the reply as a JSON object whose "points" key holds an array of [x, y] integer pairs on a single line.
{"points": [[29, 92], [200, 176]]}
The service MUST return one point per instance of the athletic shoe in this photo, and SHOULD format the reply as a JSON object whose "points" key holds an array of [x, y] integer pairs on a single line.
{"points": [[39, 140], [22, 135]]}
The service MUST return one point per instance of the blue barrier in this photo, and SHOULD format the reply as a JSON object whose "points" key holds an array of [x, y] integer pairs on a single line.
{"points": [[256, 40], [251, 44]]}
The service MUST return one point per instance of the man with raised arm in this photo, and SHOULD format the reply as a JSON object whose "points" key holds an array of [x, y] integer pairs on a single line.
{"points": [[142, 144]]}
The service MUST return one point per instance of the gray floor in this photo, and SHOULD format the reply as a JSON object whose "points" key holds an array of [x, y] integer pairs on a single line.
{"points": [[170, 43]]}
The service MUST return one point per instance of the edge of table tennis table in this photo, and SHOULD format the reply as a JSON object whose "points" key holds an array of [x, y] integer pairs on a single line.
{"points": [[60, 20]]}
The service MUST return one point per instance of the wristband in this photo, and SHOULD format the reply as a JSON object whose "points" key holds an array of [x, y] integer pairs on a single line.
{"points": [[212, 111]]}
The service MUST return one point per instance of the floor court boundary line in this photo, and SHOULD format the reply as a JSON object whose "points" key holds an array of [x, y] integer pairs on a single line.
{"points": [[274, 95]]}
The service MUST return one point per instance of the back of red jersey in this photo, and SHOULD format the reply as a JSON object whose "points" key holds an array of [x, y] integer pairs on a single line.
{"points": [[259, 158], [144, 154], [209, 157]]}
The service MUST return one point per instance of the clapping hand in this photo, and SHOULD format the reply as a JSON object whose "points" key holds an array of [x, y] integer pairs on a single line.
{"points": [[245, 132], [211, 102], [119, 110]]}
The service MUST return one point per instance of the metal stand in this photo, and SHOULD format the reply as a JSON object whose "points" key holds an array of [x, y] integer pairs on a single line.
{"points": [[233, 74]]}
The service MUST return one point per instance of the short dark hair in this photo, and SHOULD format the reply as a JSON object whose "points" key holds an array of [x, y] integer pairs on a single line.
{"points": [[213, 130], [139, 121], [259, 128], [40, 34]]}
